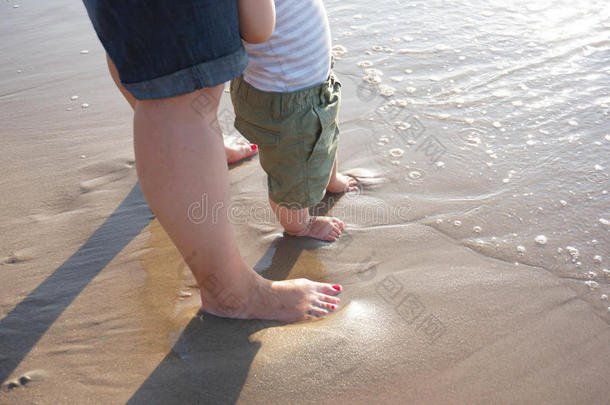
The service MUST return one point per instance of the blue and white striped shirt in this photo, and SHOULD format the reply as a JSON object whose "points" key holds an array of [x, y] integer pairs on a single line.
{"points": [[298, 53]]}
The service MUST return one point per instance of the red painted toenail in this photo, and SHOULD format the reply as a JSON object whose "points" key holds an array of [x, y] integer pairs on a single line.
{"points": [[337, 287], [254, 147], [332, 307]]}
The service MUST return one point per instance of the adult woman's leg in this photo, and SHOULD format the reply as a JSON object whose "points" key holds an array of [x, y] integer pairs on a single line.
{"points": [[234, 152], [184, 177]]}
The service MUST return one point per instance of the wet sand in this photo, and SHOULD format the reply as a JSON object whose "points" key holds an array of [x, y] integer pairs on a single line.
{"points": [[96, 305]]}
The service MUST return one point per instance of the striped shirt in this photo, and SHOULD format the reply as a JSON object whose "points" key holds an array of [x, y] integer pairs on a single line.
{"points": [[298, 53]]}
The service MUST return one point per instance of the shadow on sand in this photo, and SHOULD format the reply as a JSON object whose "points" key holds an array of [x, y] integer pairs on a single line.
{"points": [[21, 328], [211, 359], [209, 363]]}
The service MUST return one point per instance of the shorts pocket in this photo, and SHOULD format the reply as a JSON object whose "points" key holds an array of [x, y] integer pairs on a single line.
{"points": [[326, 142]]}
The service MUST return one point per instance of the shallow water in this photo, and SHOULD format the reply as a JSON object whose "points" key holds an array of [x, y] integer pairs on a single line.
{"points": [[502, 109]]}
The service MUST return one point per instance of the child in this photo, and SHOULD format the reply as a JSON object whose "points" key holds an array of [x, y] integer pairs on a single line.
{"points": [[286, 102]]}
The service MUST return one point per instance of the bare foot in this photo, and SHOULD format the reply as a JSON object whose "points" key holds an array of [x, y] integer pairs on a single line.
{"points": [[323, 228], [340, 183], [239, 150], [287, 301], [297, 300]]}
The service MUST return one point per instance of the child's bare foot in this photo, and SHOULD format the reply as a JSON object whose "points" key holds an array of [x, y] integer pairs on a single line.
{"points": [[287, 301], [323, 228], [340, 183], [239, 150]]}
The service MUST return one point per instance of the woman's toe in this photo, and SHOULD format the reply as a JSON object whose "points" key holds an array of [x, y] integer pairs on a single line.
{"points": [[315, 310], [328, 289], [329, 299]]}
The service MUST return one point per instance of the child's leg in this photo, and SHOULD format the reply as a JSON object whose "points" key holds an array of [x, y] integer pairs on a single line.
{"points": [[256, 20], [340, 183], [298, 222]]}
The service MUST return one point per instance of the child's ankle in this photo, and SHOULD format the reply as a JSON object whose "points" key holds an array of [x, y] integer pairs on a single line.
{"points": [[298, 229]]}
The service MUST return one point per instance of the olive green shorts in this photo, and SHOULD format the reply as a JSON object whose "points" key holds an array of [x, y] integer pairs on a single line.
{"points": [[297, 136]]}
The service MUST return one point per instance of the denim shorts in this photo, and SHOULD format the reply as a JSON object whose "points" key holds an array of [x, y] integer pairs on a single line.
{"points": [[165, 48]]}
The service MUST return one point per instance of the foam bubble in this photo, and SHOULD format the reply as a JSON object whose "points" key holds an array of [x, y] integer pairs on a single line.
{"points": [[402, 125], [84, 105], [338, 51], [604, 221], [396, 79], [396, 153], [497, 124], [598, 168], [477, 229], [517, 103], [573, 123], [373, 79], [461, 57], [377, 48], [592, 284], [73, 97], [373, 72], [541, 239], [387, 91], [84, 51], [597, 259], [457, 223], [365, 63], [414, 174], [573, 252]]}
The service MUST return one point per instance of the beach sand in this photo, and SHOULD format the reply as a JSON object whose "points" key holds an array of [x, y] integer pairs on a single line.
{"points": [[96, 305]]}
